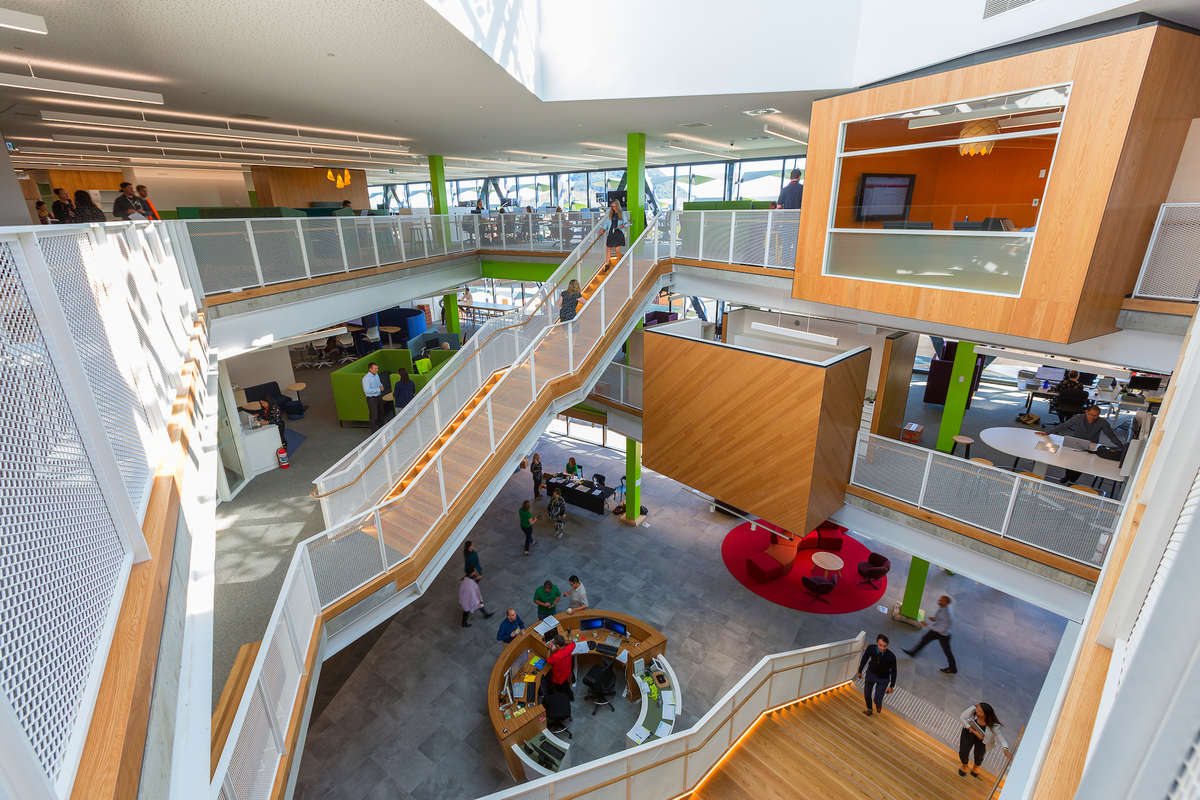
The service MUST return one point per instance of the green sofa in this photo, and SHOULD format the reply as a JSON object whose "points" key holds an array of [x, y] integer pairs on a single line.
{"points": [[348, 396]]}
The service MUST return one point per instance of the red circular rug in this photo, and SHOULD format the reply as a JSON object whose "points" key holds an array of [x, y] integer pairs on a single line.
{"points": [[849, 595]]}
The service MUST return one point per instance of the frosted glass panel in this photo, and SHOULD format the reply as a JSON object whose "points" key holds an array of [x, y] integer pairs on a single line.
{"points": [[990, 263]]}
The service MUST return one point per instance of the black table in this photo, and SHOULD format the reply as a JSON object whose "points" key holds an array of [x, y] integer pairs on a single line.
{"points": [[584, 494]]}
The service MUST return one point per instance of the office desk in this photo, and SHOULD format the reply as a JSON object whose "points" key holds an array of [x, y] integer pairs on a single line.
{"points": [[515, 724], [478, 311], [584, 494], [658, 717], [1022, 443]]}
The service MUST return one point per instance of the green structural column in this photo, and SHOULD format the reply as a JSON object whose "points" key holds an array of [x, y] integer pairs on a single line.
{"points": [[633, 479], [635, 182], [450, 312], [910, 606], [956, 396], [437, 184]]}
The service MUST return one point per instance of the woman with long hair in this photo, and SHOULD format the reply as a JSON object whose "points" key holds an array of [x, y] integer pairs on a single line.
{"points": [[978, 734], [570, 301], [535, 469], [615, 239], [86, 210]]}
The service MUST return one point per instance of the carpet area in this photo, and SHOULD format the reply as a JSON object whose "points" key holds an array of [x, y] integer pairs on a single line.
{"points": [[294, 440], [848, 596]]}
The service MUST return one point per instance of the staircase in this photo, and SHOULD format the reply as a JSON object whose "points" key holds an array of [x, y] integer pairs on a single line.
{"points": [[825, 747]]}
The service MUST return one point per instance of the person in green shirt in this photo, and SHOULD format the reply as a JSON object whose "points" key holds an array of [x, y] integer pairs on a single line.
{"points": [[527, 520], [546, 599]]}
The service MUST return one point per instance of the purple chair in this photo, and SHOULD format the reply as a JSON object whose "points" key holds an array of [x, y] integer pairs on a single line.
{"points": [[818, 587], [873, 569]]}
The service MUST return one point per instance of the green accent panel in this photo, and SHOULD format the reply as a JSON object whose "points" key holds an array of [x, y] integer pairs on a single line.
{"points": [[956, 396], [348, 397], [910, 606], [168, 213], [253, 198], [236, 212], [635, 183], [633, 478], [518, 270], [590, 409], [725, 205], [450, 313], [437, 184], [439, 357]]}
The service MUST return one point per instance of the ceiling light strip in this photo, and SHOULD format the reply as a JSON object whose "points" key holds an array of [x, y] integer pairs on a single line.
{"points": [[155, 144], [702, 152], [767, 130], [20, 21], [70, 87]]}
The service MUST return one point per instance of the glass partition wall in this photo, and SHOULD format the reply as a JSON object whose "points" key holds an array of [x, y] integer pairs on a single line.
{"points": [[945, 197]]}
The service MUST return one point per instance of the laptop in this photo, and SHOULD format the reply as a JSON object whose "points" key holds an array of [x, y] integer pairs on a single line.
{"points": [[1075, 443]]}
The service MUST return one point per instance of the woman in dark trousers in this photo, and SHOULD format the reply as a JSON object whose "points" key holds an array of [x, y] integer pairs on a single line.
{"points": [[535, 469], [269, 412], [978, 734], [570, 301], [471, 561], [527, 519], [615, 239]]}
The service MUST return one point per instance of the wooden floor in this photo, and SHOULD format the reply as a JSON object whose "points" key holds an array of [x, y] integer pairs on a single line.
{"points": [[827, 749]]}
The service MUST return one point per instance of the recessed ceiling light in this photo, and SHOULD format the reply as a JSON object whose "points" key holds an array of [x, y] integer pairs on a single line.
{"points": [[758, 112], [19, 21], [695, 124]]}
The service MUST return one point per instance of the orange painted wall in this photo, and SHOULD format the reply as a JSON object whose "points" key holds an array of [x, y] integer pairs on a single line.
{"points": [[950, 186]]}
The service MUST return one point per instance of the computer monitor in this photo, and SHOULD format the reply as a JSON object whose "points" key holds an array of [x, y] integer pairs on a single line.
{"points": [[1144, 383], [1087, 378], [591, 624], [616, 627], [1052, 374], [550, 634]]}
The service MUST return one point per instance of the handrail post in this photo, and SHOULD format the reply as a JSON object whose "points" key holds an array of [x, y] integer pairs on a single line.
{"points": [[561, 242], [532, 374], [254, 254], [337, 223], [425, 238], [570, 347], [766, 262], [531, 216], [442, 484], [1012, 501], [603, 321], [491, 432], [674, 223], [374, 241], [383, 560], [399, 228], [700, 245], [732, 220], [925, 479], [303, 249]]}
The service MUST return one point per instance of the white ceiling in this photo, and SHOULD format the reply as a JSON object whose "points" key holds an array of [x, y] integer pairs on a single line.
{"points": [[401, 69]]}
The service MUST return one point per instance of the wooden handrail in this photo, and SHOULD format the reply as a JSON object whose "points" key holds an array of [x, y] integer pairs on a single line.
{"points": [[231, 697], [432, 398]]}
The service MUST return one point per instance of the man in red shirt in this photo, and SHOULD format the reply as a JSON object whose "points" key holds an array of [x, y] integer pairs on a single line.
{"points": [[561, 654]]}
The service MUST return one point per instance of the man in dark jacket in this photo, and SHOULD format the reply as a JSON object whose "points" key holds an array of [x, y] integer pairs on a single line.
{"points": [[793, 193], [63, 209], [877, 668]]}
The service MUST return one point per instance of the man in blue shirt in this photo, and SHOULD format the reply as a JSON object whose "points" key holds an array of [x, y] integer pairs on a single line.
{"points": [[1088, 425], [511, 627], [793, 193], [373, 389]]}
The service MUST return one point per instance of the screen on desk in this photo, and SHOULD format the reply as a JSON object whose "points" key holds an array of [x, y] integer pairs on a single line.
{"points": [[1052, 374], [1087, 378], [1145, 382], [616, 627], [591, 624]]}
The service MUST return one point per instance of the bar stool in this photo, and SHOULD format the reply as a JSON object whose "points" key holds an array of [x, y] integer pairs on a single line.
{"points": [[1089, 489], [966, 441], [983, 461], [1033, 475]]}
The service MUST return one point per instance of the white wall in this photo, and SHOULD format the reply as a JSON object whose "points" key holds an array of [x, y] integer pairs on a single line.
{"points": [[172, 188], [261, 366], [1186, 186]]}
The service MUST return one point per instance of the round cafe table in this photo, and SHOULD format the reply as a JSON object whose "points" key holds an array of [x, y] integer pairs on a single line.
{"points": [[1024, 443], [827, 561], [297, 388]]}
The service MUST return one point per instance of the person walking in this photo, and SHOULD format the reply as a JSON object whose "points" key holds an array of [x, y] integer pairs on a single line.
{"points": [[570, 301], [128, 206], [978, 734], [557, 511], [877, 668], [471, 561], [527, 519], [535, 470], [546, 597], [373, 390], [470, 599], [939, 629], [615, 238]]}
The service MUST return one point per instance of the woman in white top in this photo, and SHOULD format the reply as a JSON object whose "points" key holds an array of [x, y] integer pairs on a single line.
{"points": [[615, 238], [978, 733]]}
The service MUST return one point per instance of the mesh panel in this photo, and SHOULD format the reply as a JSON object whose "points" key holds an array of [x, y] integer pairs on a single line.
{"points": [[781, 241], [345, 559], [1064, 521], [321, 244], [715, 237], [993, 7], [360, 252], [281, 672], [1172, 267], [388, 240], [1186, 785], [223, 258], [890, 468], [278, 245], [749, 237], [60, 556], [688, 245], [83, 298], [968, 491], [255, 756]]}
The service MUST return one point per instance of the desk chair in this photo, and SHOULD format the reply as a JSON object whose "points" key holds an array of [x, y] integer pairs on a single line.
{"points": [[322, 347], [558, 713], [601, 681], [1069, 403], [874, 569], [372, 337], [346, 343], [817, 587]]}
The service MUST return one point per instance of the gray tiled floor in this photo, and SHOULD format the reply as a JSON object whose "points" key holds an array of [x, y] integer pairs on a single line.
{"points": [[401, 713]]}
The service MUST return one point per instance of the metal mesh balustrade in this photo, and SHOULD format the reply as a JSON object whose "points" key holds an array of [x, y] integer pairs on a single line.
{"points": [[255, 757], [86, 304], [387, 239], [749, 237], [686, 227], [714, 236], [781, 239], [61, 560], [890, 468], [358, 242], [278, 244], [281, 673], [1186, 785], [345, 558], [224, 258], [1062, 520], [968, 491], [1171, 268], [321, 245]]}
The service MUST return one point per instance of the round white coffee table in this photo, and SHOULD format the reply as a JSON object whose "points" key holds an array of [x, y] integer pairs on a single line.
{"points": [[827, 561]]}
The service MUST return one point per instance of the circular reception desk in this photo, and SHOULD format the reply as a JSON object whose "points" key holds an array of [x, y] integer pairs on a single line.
{"points": [[515, 692]]}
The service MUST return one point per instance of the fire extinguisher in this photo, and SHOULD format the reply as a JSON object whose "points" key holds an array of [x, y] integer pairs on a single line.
{"points": [[281, 454]]}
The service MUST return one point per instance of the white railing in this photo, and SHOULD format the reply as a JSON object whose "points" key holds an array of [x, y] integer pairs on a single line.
{"points": [[620, 383], [350, 555], [675, 764], [97, 325], [1171, 268], [363, 476], [229, 255], [1056, 518], [754, 238]]}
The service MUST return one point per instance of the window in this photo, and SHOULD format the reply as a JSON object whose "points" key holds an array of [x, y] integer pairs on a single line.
{"points": [[704, 181], [573, 191], [947, 196], [661, 182], [468, 192], [759, 180], [419, 196]]}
